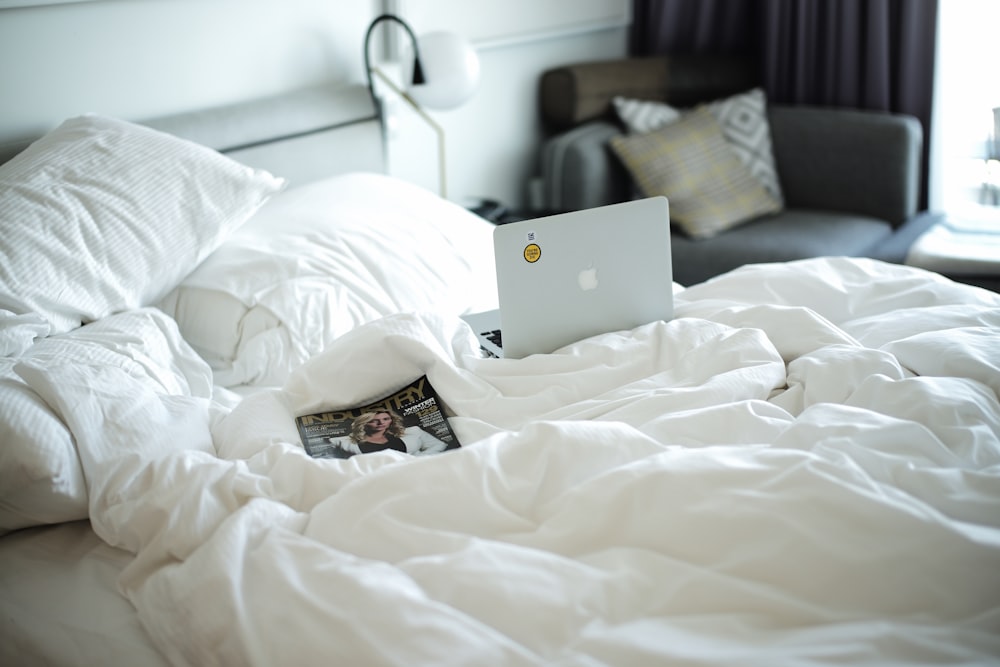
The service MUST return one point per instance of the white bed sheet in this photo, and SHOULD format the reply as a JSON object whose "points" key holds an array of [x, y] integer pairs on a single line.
{"points": [[803, 467], [60, 603]]}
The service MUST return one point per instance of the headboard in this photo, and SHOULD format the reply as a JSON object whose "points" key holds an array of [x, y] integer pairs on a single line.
{"points": [[302, 135]]}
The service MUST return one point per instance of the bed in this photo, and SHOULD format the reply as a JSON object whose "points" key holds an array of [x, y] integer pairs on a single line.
{"points": [[802, 467]]}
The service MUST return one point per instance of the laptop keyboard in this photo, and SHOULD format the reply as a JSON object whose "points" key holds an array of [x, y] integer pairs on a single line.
{"points": [[493, 337]]}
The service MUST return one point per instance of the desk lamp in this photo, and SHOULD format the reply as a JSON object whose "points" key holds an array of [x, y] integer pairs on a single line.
{"points": [[444, 74]]}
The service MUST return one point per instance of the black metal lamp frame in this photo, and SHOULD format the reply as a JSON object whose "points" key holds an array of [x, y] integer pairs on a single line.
{"points": [[418, 69]]}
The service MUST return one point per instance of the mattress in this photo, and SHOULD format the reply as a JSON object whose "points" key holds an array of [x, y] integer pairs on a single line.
{"points": [[61, 602]]}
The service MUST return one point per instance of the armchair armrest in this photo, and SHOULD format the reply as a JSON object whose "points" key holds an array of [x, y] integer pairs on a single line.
{"points": [[579, 171], [860, 162]]}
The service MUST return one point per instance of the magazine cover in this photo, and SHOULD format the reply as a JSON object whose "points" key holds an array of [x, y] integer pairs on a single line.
{"points": [[408, 420]]}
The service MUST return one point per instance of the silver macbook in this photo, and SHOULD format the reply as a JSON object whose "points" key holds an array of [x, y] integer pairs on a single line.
{"points": [[566, 277]]}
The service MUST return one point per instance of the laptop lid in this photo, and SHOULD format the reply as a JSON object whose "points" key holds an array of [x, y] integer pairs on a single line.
{"points": [[565, 277]]}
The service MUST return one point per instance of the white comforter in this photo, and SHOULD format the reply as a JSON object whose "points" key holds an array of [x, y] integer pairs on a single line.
{"points": [[802, 467]]}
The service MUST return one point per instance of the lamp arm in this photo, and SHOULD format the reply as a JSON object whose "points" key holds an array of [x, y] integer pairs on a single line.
{"points": [[418, 73], [427, 119]]}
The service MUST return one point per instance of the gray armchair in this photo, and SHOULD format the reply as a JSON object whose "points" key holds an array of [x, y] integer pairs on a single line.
{"points": [[850, 179]]}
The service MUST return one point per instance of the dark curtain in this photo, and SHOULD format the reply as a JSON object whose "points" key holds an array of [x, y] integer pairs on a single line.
{"points": [[693, 27], [863, 54], [868, 54]]}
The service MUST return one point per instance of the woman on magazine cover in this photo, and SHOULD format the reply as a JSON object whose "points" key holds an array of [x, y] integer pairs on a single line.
{"points": [[383, 429]]}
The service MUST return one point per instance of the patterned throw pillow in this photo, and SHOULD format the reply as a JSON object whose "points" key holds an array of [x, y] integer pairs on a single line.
{"points": [[690, 162], [743, 119], [744, 123]]}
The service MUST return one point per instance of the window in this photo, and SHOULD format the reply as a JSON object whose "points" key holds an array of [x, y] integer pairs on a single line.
{"points": [[967, 90]]}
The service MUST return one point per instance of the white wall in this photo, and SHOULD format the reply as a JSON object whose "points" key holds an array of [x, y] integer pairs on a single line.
{"points": [[491, 22], [492, 141], [141, 58]]}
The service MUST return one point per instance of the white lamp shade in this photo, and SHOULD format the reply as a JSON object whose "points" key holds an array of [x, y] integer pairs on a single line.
{"points": [[451, 71]]}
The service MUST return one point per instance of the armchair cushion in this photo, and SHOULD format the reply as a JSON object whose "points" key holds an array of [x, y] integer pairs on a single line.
{"points": [[789, 235]]}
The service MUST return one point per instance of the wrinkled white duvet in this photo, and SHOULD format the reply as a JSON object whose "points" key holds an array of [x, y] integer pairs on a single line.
{"points": [[803, 467]]}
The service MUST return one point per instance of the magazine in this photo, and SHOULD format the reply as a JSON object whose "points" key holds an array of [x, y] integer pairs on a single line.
{"points": [[408, 420]]}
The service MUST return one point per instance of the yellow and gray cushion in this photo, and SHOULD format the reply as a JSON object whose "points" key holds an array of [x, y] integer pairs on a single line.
{"points": [[690, 162], [742, 117]]}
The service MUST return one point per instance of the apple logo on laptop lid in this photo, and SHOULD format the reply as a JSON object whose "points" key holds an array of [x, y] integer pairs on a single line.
{"points": [[587, 278]]}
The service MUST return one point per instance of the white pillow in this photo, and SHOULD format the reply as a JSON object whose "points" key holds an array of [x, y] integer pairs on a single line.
{"points": [[41, 479], [642, 116], [101, 215], [323, 258]]}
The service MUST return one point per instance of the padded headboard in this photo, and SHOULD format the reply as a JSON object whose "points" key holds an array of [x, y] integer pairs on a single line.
{"points": [[576, 93], [303, 135]]}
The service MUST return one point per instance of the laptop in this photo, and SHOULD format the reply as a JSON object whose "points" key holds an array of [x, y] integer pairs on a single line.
{"points": [[565, 277]]}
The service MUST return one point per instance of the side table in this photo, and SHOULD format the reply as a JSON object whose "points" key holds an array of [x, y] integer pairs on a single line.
{"points": [[963, 247]]}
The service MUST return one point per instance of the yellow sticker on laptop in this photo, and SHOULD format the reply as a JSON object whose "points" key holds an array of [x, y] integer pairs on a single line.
{"points": [[532, 252]]}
